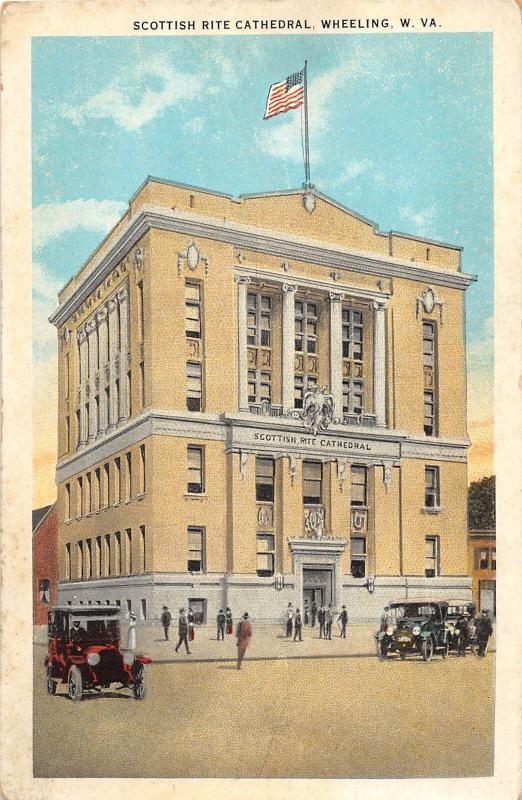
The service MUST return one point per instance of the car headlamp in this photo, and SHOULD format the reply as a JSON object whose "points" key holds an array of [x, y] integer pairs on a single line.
{"points": [[128, 658], [391, 629], [93, 659], [416, 630]]}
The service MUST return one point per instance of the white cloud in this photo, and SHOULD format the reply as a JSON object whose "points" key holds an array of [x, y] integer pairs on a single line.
{"points": [[45, 300], [51, 220], [419, 219], [138, 95], [194, 125]]}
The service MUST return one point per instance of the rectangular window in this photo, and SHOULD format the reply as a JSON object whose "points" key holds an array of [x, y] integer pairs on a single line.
{"points": [[107, 567], [429, 412], [128, 551], [128, 476], [78, 428], [265, 554], [484, 558], [312, 482], [199, 608], [142, 469], [192, 311], [143, 562], [79, 497], [194, 386], [44, 590], [128, 395], [67, 434], [358, 556], [67, 562], [359, 486], [259, 309], [88, 500], [353, 397], [195, 470], [97, 556], [117, 481], [196, 537], [67, 501], [128, 605], [259, 386], [141, 312], [265, 479], [87, 554], [302, 384], [432, 556], [117, 554], [352, 334], [66, 376], [106, 486], [305, 327], [97, 485], [428, 344], [142, 384], [117, 396], [494, 558], [431, 487], [143, 609]]}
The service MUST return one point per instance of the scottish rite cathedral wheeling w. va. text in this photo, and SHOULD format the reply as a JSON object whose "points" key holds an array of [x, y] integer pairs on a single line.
{"points": [[262, 399]]}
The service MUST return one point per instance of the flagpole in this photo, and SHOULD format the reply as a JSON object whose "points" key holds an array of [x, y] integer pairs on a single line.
{"points": [[307, 153]]}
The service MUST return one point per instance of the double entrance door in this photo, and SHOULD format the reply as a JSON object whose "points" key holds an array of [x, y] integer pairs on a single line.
{"points": [[318, 585]]}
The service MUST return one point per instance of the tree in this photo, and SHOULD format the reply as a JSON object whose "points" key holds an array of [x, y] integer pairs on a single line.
{"points": [[481, 504]]}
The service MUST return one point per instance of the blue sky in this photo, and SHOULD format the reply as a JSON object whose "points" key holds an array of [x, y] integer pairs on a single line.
{"points": [[400, 131]]}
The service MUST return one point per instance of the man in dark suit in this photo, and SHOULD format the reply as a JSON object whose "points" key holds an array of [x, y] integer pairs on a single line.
{"points": [[183, 629], [298, 625], [343, 619], [314, 613], [221, 620], [321, 617], [166, 619]]}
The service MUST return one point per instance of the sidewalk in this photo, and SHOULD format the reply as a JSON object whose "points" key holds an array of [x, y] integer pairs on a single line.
{"points": [[268, 643]]}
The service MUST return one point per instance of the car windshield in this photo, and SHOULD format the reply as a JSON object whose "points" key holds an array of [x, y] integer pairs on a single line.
{"points": [[460, 611], [413, 611]]}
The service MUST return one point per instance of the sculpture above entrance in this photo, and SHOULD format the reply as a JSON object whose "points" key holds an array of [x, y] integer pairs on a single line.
{"points": [[318, 409]]}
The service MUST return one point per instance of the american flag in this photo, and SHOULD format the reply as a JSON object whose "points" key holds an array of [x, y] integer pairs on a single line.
{"points": [[285, 95]]}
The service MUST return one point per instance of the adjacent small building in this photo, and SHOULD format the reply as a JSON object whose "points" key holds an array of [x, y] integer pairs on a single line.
{"points": [[262, 399], [482, 563], [45, 561]]}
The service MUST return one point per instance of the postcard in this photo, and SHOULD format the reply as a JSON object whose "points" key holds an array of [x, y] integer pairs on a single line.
{"points": [[261, 350]]}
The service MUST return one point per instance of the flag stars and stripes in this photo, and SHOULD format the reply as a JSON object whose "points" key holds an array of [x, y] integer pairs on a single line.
{"points": [[285, 95]]}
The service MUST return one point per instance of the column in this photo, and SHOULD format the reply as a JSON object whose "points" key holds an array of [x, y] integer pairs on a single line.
{"points": [[242, 377], [101, 319], [82, 343], [122, 300], [90, 329], [379, 363], [336, 352], [288, 339], [113, 344]]}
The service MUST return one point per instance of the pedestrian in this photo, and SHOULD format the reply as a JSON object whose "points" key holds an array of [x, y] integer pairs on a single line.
{"points": [[289, 620], [244, 634], [321, 619], [183, 630], [190, 616], [166, 619], [314, 613], [463, 635], [298, 625], [484, 630], [221, 620], [306, 613], [343, 619], [328, 619], [229, 620], [131, 636]]}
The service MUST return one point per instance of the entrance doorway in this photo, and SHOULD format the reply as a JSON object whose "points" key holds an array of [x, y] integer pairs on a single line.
{"points": [[487, 597], [318, 585]]}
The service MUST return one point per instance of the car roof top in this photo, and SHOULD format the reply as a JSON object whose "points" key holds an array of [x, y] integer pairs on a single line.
{"points": [[417, 601], [89, 611], [461, 603]]}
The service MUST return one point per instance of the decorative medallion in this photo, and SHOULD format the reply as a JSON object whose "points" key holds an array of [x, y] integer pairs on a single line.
{"points": [[428, 300], [359, 518], [318, 409], [309, 201], [139, 259], [193, 257], [314, 523]]}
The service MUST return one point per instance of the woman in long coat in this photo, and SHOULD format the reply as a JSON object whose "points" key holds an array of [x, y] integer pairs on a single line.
{"points": [[244, 634]]}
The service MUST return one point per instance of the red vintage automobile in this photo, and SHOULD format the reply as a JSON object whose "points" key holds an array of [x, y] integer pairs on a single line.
{"points": [[84, 652]]}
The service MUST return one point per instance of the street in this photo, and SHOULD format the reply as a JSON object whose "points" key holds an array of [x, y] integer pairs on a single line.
{"points": [[342, 717]]}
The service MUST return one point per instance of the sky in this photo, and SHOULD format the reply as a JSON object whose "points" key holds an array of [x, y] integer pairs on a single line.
{"points": [[400, 132]]}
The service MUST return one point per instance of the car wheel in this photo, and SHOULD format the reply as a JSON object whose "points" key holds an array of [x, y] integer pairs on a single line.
{"points": [[427, 649], [138, 686], [51, 683], [75, 684], [402, 656], [382, 650]]}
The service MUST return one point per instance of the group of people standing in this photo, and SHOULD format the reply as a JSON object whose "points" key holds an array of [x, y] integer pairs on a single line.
{"points": [[186, 620], [225, 622], [323, 615]]}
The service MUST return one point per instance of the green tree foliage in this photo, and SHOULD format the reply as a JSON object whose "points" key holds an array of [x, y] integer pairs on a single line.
{"points": [[481, 504]]}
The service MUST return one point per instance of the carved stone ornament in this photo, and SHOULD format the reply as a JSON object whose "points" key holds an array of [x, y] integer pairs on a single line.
{"points": [[66, 335], [309, 201], [192, 256], [341, 472], [318, 409], [292, 466], [243, 459], [359, 518], [387, 473], [314, 523], [139, 259], [428, 300]]}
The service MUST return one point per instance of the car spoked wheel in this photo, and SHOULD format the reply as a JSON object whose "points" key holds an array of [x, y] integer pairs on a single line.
{"points": [[427, 649], [51, 683], [75, 684], [138, 687], [382, 650]]}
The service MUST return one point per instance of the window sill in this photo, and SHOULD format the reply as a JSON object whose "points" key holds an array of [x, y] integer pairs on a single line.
{"points": [[198, 496], [140, 496], [432, 510], [115, 505]]}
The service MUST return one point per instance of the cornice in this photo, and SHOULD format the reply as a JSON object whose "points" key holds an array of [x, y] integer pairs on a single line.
{"points": [[252, 238]]}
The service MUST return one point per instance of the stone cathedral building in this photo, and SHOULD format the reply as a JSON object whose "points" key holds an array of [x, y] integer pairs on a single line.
{"points": [[262, 399]]}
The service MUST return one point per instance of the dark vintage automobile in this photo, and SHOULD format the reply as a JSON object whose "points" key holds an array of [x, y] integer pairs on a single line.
{"points": [[457, 609], [84, 652], [413, 627]]}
